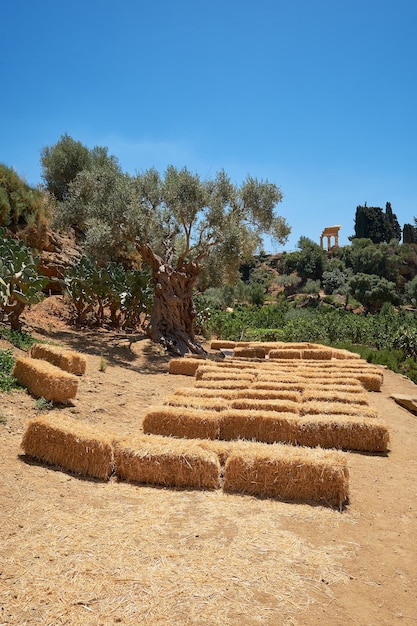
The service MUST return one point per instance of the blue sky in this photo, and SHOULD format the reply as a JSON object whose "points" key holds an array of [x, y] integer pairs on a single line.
{"points": [[318, 96]]}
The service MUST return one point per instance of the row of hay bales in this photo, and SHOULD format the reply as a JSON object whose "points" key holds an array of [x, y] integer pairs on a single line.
{"points": [[279, 471], [282, 350], [50, 372]]}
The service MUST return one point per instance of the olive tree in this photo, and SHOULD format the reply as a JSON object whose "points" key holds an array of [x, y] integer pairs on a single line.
{"points": [[181, 226]]}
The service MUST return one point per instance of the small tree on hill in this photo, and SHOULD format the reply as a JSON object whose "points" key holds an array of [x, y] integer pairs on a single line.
{"points": [[180, 225]]}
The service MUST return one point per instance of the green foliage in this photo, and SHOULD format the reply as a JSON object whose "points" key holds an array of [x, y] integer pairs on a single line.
{"points": [[7, 361], [23, 341], [62, 162], [309, 261], [372, 291], [409, 234], [372, 223], [334, 281], [20, 205], [108, 294], [42, 405], [20, 282], [410, 291]]}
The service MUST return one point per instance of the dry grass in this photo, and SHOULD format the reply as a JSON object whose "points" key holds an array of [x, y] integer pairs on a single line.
{"points": [[45, 380]]}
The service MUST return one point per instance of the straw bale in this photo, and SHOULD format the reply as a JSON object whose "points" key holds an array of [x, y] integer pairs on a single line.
{"points": [[69, 444], [269, 394], [45, 380], [67, 360], [224, 375], [210, 404], [186, 367], [279, 377], [257, 352], [354, 388], [371, 382], [217, 344], [192, 392], [182, 422], [221, 384], [274, 385], [242, 344], [332, 395], [287, 406], [317, 354], [344, 354], [343, 432], [289, 473], [258, 425], [336, 408], [285, 353], [172, 462]]}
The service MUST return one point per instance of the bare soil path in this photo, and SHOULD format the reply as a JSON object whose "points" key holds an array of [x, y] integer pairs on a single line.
{"points": [[83, 552]]}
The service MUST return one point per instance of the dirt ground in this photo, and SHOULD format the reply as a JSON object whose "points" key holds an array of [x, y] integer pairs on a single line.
{"points": [[84, 552]]}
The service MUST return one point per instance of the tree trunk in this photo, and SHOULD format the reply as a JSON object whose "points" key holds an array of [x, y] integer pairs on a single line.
{"points": [[173, 312]]}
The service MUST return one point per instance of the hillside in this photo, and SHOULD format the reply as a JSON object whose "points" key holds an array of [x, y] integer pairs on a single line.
{"points": [[85, 552]]}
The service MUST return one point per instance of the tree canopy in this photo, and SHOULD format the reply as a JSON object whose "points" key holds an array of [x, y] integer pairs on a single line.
{"points": [[183, 227]]}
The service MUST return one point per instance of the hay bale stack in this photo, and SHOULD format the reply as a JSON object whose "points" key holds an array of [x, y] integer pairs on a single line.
{"points": [[186, 367], [289, 473], [344, 354], [182, 422], [281, 406], [285, 353], [69, 444], [67, 360], [166, 461], [45, 380]]}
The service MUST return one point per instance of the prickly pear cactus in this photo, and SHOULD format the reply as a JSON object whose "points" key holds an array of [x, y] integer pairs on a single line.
{"points": [[20, 282]]}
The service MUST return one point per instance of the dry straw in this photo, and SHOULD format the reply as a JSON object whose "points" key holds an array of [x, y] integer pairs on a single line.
{"points": [[289, 473], [45, 380], [69, 444], [166, 461], [182, 422], [67, 360]]}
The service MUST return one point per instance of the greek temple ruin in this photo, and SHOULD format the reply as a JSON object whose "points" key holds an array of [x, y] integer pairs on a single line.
{"points": [[329, 232]]}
